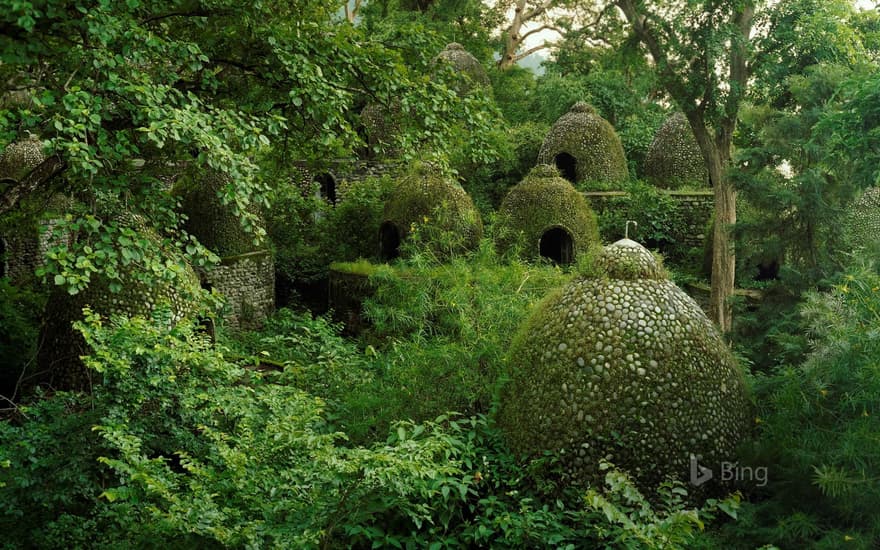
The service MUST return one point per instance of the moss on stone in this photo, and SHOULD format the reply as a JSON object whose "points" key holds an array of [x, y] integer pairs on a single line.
{"points": [[61, 345], [674, 159], [592, 142], [862, 223], [465, 64], [20, 157], [424, 198], [624, 367], [212, 222], [382, 127], [543, 201]]}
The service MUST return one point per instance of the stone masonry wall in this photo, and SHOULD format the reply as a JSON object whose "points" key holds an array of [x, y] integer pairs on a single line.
{"points": [[247, 282]]}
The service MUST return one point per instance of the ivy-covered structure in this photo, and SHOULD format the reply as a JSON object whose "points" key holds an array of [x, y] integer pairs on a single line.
{"points": [[61, 345], [674, 159], [586, 150], [381, 126], [246, 273], [439, 209], [546, 217], [461, 61], [624, 366], [862, 224]]}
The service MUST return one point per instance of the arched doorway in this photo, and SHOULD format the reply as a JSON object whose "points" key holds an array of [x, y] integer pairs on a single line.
{"points": [[326, 187], [389, 242], [567, 166], [557, 245]]}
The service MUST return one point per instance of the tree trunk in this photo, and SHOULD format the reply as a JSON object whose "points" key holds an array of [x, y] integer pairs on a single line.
{"points": [[513, 38], [723, 253]]}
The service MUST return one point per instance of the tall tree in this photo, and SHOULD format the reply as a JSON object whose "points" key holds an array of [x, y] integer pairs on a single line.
{"points": [[701, 52]]}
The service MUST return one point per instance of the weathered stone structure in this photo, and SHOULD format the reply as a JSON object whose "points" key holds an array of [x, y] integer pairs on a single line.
{"points": [[862, 223], [246, 274], [586, 150], [674, 159], [471, 73], [624, 366]]}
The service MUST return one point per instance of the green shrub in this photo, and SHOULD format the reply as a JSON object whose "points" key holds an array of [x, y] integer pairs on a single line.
{"points": [[20, 310]]}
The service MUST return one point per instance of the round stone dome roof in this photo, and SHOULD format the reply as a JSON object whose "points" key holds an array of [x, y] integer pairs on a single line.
{"points": [[624, 368], [213, 223], [465, 64], [585, 144], [544, 201], [382, 126], [20, 157], [424, 197], [674, 159], [862, 224]]}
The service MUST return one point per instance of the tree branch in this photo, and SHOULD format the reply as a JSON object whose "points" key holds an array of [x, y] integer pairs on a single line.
{"points": [[530, 51], [42, 174], [539, 29]]}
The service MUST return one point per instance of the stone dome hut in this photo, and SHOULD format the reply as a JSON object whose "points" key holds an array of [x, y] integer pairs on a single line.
{"points": [[246, 273], [61, 345], [862, 224], [547, 217], [674, 159], [426, 198], [381, 127], [585, 148], [466, 65], [624, 367]]}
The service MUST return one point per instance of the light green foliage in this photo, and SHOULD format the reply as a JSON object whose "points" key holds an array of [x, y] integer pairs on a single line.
{"points": [[442, 211], [674, 159], [588, 138], [627, 367], [543, 201], [654, 212], [470, 73]]}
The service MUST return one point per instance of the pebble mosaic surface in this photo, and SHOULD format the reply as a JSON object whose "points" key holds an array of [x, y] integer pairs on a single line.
{"points": [[463, 62], [863, 222], [626, 368], [674, 159]]}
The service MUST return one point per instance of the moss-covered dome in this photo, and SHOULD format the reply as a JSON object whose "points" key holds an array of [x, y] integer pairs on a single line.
{"points": [[61, 345], [624, 367], [586, 149], [545, 210], [213, 223], [426, 199], [862, 224], [382, 127], [20, 157], [465, 64], [674, 159]]}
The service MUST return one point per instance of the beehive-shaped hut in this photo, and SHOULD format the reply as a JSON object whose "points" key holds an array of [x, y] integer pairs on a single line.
{"points": [[425, 199], [586, 149], [472, 73], [862, 224], [547, 217], [61, 345], [381, 126], [246, 274], [674, 159], [624, 367]]}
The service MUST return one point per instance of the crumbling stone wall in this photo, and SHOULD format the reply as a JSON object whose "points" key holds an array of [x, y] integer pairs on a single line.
{"points": [[247, 281]]}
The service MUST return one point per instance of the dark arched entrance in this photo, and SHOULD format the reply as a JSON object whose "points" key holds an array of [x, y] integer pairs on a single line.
{"points": [[567, 166], [389, 242], [557, 245], [326, 187]]}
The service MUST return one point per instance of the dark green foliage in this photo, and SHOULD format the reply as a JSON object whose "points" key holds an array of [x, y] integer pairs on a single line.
{"points": [[655, 213], [20, 310]]}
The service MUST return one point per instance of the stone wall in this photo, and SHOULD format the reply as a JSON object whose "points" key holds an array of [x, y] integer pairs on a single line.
{"points": [[344, 172], [690, 219], [247, 282], [25, 252]]}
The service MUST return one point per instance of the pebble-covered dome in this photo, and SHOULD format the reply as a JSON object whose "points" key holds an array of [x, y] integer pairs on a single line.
{"points": [[541, 206], [20, 157], [424, 197], [61, 345], [465, 64], [213, 223], [381, 126], [674, 159], [585, 147], [862, 224], [625, 367]]}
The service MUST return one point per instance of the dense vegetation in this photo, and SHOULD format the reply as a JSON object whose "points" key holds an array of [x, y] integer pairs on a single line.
{"points": [[376, 426]]}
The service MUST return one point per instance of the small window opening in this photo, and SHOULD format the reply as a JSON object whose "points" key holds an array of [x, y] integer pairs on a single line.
{"points": [[557, 245], [567, 166], [389, 242]]}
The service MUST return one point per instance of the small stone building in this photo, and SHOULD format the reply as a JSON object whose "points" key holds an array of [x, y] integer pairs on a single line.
{"points": [[246, 273], [674, 159], [472, 73], [440, 209], [381, 128], [623, 365], [546, 217], [586, 150]]}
